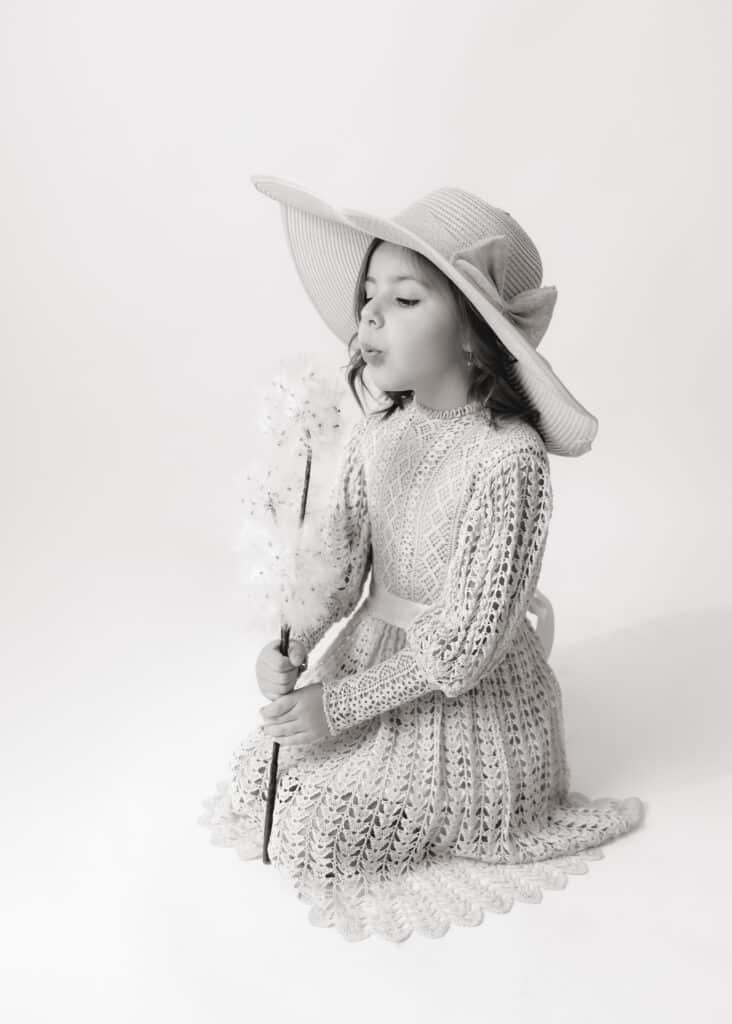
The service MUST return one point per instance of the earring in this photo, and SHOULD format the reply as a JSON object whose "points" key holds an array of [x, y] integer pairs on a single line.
{"points": [[469, 358]]}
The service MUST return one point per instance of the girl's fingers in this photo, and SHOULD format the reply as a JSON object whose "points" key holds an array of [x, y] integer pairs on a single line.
{"points": [[274, 693], [276, 661], [286, 716], [279, 707], [274, 712], [286, 728], [293, 739], [276, 680]]}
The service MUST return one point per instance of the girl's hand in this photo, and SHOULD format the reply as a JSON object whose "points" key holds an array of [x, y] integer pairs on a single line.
{"points": [[297, 717], [277, 673]]}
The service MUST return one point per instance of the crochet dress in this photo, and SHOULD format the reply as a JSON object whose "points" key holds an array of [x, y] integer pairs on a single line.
{"points": [[443, 787]]}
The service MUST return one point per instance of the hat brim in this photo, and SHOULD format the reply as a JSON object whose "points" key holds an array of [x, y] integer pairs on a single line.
{"points": [[328, 244]]}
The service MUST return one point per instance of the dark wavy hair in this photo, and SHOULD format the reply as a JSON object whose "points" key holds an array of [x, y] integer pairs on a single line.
{"points": [[489, 380]]}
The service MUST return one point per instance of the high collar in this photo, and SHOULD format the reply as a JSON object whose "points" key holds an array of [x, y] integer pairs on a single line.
{"points": [[422, 411]]}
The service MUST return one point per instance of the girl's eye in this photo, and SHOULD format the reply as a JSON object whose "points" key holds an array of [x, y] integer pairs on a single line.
{"points": [[408, 302]]}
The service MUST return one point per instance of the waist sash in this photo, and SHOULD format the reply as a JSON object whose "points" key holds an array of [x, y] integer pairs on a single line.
{"points": [[399, 611]]}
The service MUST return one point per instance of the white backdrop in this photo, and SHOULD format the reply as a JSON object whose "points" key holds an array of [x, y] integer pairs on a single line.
{"points": [[146, 285]]}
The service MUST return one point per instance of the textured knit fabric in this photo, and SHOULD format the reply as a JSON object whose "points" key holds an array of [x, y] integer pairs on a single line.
{"points": [[443, 787]]}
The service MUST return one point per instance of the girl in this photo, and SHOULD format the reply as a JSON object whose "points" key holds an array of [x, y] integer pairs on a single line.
{"points": [[422, 773]]}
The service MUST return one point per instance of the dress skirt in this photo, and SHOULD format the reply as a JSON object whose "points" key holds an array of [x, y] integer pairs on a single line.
{"points": [[430, 813]]}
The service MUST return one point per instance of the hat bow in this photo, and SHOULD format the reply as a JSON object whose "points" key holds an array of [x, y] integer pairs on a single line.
{"points": [[484, 263]]}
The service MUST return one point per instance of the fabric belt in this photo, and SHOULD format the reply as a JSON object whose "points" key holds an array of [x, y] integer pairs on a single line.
{"points": [[399, 611]]}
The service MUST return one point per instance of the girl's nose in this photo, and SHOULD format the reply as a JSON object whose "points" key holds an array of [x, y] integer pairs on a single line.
{"points": [[370, 314]]}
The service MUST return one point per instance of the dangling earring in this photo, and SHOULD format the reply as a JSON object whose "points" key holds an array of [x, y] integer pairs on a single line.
{"points": [[469, 357]]}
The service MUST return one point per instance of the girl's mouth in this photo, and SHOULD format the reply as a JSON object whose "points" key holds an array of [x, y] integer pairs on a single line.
{"points": [[373, 356]]}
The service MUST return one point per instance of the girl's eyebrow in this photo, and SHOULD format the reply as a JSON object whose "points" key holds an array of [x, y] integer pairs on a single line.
{"points": [[403, 277]]}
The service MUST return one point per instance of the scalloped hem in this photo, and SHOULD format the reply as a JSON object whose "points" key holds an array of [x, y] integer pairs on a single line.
{"points": [[427, 898]]}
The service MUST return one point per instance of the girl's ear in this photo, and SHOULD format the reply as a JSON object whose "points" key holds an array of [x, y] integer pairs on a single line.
{"points": [[466, 338]]}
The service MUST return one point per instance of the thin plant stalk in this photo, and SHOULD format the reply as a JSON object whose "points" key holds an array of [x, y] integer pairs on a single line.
{"points": [[283, 649]]}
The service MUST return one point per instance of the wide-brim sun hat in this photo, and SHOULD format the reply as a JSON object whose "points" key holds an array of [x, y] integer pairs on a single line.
{"points": [[479, 247]]}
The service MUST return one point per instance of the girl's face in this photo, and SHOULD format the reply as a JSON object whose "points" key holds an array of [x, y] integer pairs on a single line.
{"points": [[414, 322]]}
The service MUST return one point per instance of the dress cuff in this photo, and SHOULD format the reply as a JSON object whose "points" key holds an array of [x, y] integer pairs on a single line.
{"points": [[338, 704]]}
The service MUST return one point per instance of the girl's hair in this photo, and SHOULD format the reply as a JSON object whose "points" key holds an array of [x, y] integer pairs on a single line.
{"points": [[489, 378]]}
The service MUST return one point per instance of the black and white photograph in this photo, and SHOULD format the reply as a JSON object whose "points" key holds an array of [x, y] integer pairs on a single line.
{"points": [[366, 619]]}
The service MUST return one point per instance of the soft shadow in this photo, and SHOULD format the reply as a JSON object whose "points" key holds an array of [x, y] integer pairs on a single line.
{"points": [[651, 701]]}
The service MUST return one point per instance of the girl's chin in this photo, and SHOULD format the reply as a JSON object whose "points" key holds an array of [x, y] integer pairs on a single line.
{"points": [[382, 379]]}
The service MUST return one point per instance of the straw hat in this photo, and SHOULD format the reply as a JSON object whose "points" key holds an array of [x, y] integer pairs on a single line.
{"points": [[479, 247]]}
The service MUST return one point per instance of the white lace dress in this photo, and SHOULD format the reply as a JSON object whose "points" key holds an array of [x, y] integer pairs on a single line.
{"points": [[443, 789]]}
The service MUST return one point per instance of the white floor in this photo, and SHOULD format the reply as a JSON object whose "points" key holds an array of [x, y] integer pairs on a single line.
{"points": [[116, 907]]}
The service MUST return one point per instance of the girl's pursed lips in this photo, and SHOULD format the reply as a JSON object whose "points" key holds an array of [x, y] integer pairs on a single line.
{"points": [[368, 349]]}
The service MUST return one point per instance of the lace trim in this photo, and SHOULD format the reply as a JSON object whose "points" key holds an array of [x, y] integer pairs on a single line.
{"points": [[419, 409], [426, 899]]}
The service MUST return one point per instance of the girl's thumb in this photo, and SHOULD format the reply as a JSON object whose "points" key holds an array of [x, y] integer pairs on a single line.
{"points": [[296, 652]]}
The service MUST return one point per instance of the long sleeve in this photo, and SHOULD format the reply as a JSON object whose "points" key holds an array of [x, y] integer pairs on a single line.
{"points": [[346, 537], [490, 580]]}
